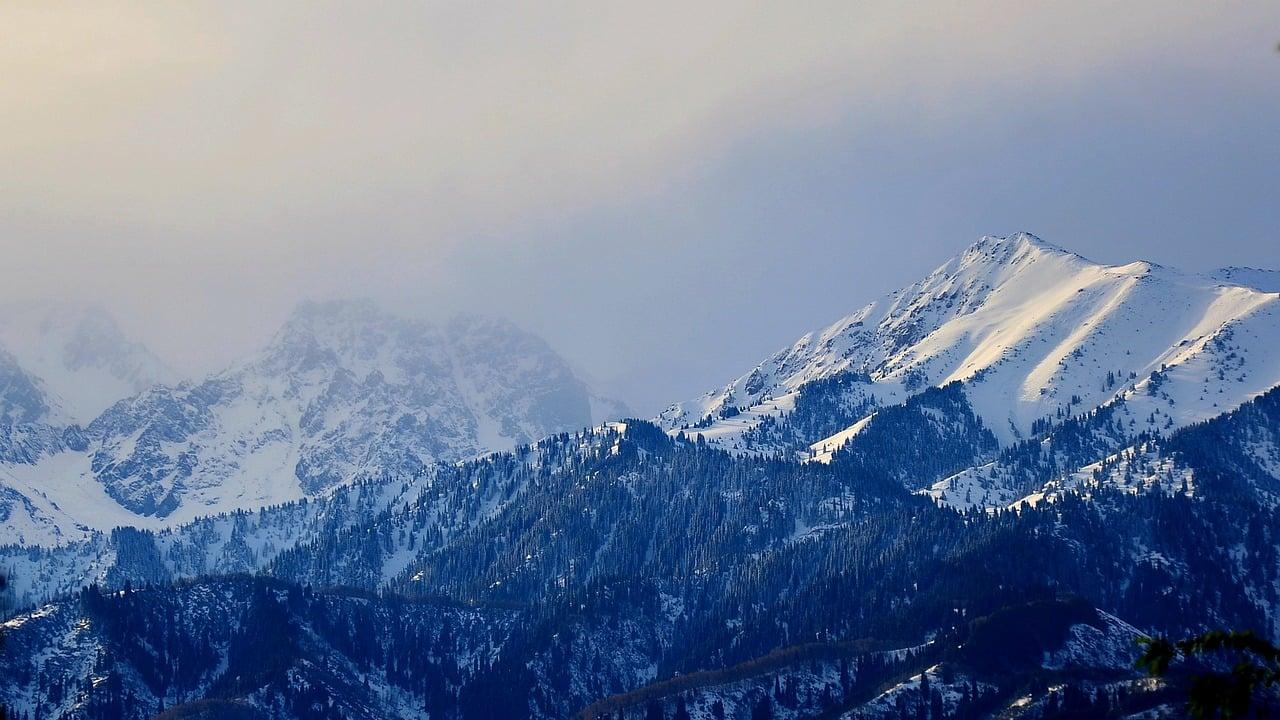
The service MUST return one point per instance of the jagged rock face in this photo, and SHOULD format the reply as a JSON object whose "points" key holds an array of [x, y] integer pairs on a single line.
{"points": [[516, 380], [23, 400], [344, 390], [27, 418], [60, 364]]}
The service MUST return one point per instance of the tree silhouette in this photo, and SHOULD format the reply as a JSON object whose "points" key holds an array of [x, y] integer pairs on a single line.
{"points": [[1219, 694]]}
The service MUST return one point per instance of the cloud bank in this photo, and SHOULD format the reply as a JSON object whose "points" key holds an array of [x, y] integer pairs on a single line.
{"points": [[202, 166]]}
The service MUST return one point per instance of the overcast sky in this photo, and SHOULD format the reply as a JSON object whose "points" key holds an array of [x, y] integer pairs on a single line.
{"points": [[666, 191]]}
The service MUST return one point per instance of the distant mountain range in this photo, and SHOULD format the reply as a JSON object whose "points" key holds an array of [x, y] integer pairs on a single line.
{"points": [[76, 357], [968, 499], [343, 391]]}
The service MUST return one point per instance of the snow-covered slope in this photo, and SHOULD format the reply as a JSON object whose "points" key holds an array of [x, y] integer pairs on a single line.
{"points": [[218, 643], [24, 398], [1096, 653], [1256, 278], [1239, 450], [1036, 334], [30, 419], [80, 354], [343, 391]]}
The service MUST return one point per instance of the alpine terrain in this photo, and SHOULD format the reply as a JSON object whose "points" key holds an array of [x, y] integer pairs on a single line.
{"points": [[343, 391], [970, 498]]}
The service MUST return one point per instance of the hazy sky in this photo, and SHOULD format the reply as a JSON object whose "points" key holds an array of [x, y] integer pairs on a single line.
{"points": [[666, 191]]}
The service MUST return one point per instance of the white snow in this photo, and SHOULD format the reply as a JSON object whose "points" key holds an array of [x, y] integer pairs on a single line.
{"points": [[84, 359], [826, 448], [1035, 333], [1256, 278], [66, 502], [344, 389]]}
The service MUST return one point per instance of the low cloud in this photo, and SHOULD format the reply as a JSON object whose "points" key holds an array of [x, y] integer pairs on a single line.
{"points": [[203, 162]]}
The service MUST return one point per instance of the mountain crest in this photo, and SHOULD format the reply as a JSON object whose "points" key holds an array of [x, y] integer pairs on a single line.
{"points": [[1035, 333], [83, 358], [344, 391], [1004, 248]]}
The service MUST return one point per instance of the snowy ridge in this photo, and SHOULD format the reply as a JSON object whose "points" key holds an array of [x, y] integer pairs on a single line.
{"points": [[344, 391], [1036, 334], [24, 399], [1256, 278], [443, 501], [1135, 469], [1112, 644], [1240, 449], [239, 542], [80, 355]]}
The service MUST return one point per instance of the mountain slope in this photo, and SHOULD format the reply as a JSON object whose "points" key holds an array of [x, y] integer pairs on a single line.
{"points": [[1065, 645], [24, 399], [30, 419], [344, 391], [1035, 334], [1256, 278], [80, 354], [248, 644], [1236, 453], [636, 559]]}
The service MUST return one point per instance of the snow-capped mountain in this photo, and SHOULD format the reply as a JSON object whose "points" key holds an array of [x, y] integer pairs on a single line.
{"points": [[1035, 334], [805, 543], [85, 362], [635, 561], [23, 397], [344, 390], [30, 419]]}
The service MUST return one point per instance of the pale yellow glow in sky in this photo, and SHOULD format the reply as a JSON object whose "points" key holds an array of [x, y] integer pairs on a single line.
{"points": [[246, 154]]}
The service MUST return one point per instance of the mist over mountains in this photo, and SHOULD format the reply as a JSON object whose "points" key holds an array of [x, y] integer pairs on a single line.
{"points": [[639, 361], [968, 497], [343, 391]]}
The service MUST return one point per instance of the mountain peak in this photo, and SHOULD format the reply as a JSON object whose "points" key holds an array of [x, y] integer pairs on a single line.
{"points": [[1035, 332], [345, 390], [355, 333], [1021, 238], [1005, 249], [80, 353], [320, 318]]}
